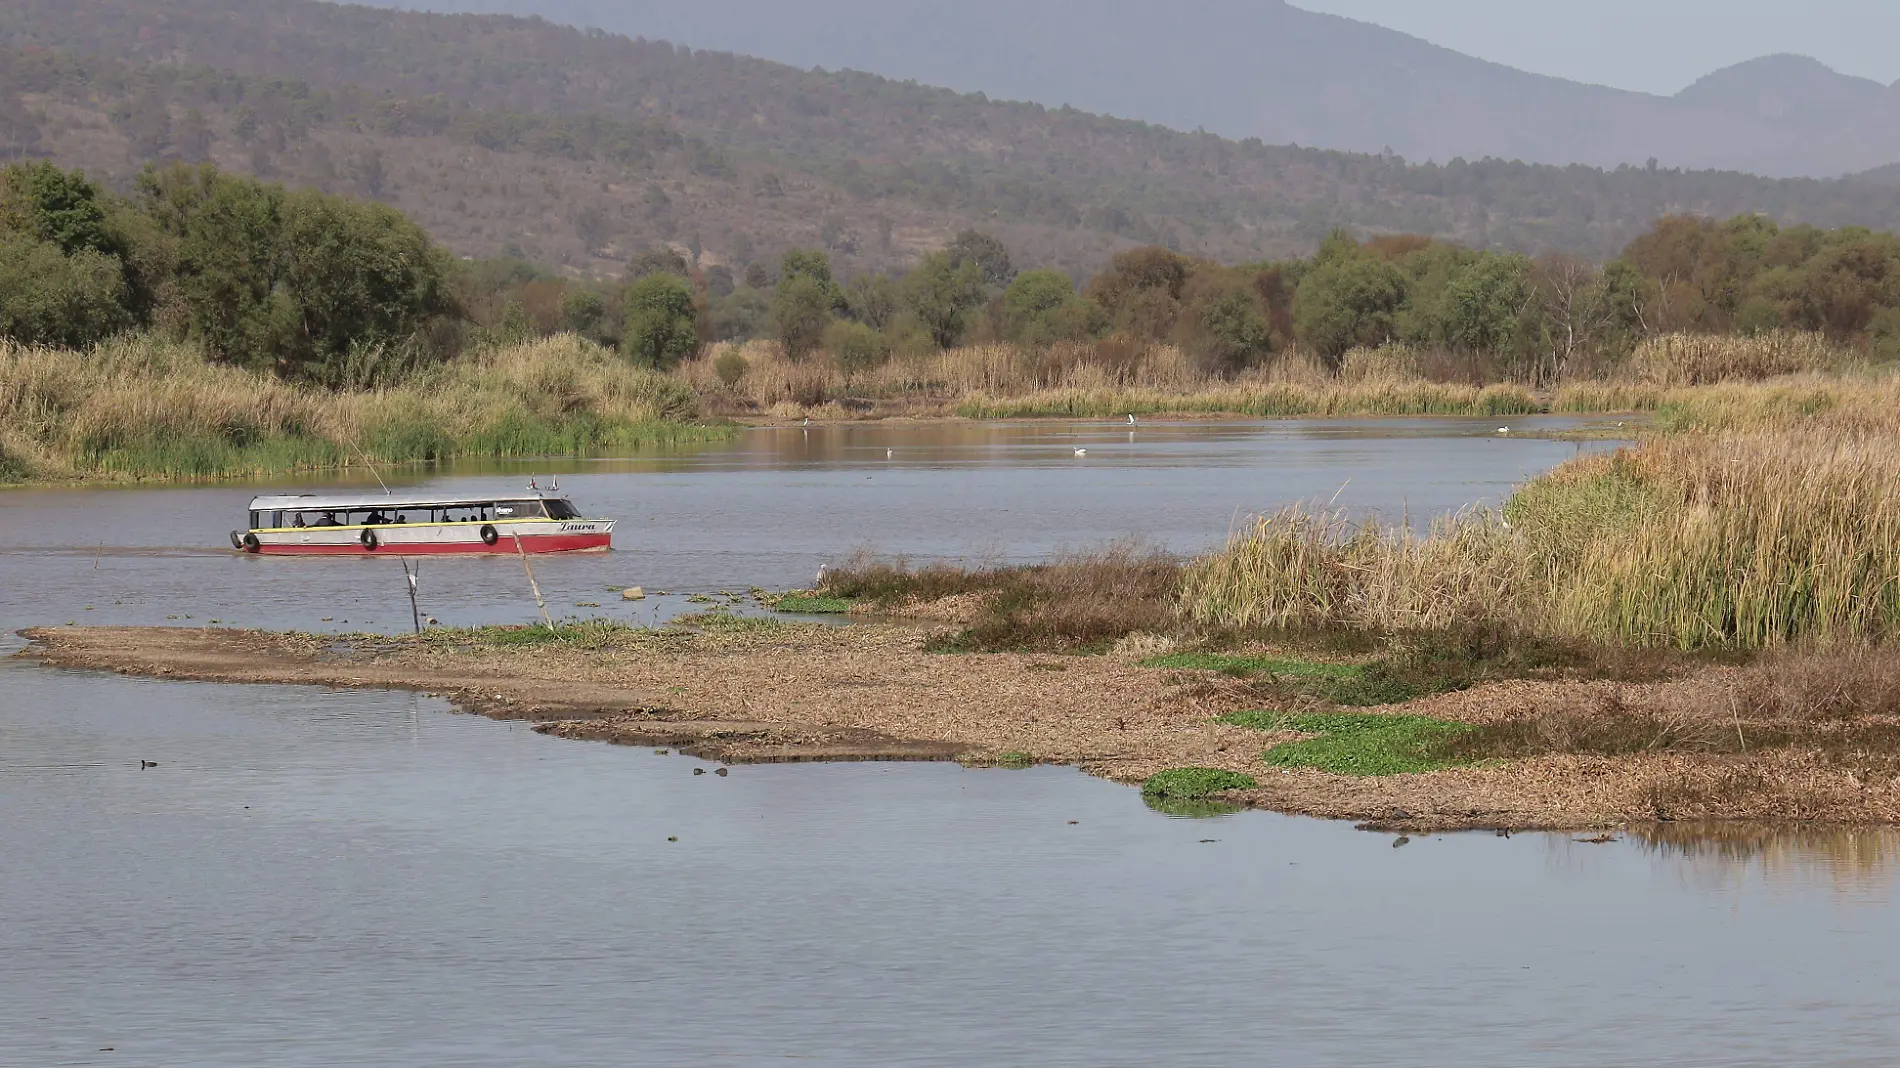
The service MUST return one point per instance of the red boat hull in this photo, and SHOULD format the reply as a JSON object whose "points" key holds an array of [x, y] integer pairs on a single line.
{"points": [[531, 543]]}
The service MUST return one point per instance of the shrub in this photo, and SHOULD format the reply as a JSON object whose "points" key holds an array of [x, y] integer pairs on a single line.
{"points": [[855, 346], [730, 366]]}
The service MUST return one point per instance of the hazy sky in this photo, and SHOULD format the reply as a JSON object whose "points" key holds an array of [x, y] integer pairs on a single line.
{"points": [[1656, 46]]}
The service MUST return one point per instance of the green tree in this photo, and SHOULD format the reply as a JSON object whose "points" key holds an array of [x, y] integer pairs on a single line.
{"points": [[1042, 307], [357, 276], [801, 312], [1483, 304], [806, 299], [990, 255], [741, 315], [54, 205], [874, 299], [662, 260], [1348, 301], [1234, 329], [584, 312], [942, 293], [227, 234], [809, 263], [662, 321], [48, 297], [302, 283]]}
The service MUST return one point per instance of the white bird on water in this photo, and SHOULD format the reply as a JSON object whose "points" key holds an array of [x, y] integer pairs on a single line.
{"points": [[1131, 418], [888, 453], [1504, 430], [807, 421], [1081, 452]]}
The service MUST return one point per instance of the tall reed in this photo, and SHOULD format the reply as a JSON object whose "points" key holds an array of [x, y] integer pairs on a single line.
{"points": [[1109, 378], [1863, 400], [1700, 359], [1742, 540], [140, 407]]}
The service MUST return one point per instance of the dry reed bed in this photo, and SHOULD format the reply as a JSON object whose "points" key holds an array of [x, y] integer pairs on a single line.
{"points": [[1696, 381], [142, 407], [1105, 379], [1744, 540]]}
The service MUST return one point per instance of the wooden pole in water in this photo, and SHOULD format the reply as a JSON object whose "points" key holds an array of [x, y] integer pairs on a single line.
{"points": [[532, 584], [415, 612]]}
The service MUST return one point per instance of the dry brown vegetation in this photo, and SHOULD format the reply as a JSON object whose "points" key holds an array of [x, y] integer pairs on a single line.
{"points": [[1111, 378], [1741, 540], [1082, 603], [145, 408]]}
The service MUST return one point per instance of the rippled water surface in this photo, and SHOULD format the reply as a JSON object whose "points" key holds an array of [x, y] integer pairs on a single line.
{"points": [[322, 878]]}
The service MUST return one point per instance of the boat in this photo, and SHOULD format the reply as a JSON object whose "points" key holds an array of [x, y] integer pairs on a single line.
{"points": [[538, 521]]}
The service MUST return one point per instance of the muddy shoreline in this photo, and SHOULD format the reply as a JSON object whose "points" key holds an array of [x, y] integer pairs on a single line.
{"points": [[801, 692]]}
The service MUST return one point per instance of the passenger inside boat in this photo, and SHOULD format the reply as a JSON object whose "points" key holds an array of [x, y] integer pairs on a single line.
{"points": [[299, 521], [328, 520], [375, 519]]}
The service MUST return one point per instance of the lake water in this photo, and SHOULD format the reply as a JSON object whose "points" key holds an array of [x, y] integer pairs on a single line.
{"points": [[343, 878]]}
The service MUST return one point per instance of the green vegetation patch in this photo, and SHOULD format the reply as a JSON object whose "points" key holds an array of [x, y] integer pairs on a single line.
{"points": [[1362, 744], [1194, 784], [725, 621], [1251, 666], [582, 634], [1015, 758], [813, 604]]}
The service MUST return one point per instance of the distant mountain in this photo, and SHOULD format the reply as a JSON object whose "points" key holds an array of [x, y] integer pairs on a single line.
{"points": [[581, 148], [1266, 69]]}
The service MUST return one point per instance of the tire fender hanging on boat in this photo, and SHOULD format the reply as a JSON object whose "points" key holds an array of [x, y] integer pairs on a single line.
{"points": [[368, 538], [250, 543], [489, 534]]}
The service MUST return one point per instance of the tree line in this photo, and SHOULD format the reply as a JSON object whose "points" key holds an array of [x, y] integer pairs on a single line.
{"points": [[305, 285], [1482, 315], [340, 292]]}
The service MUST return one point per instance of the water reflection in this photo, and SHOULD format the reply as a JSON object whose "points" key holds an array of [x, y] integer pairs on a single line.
{"points": [[1858, 860], [320, 878], [1175, 808]]}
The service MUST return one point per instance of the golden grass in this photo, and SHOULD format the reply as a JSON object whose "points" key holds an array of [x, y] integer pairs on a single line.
{"points": [[140, 407], [1105, 379], [1743, 540], [1701, 359]]}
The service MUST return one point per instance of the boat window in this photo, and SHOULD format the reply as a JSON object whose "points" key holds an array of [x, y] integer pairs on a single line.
{"points": [[518, 509], [558, 509], [254, 516]]}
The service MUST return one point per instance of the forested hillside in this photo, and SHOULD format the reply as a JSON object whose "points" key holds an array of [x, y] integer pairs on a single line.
{"points": [[579, 149]]}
